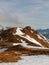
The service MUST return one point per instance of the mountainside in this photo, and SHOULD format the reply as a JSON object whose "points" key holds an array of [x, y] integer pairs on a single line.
{"points": [[44, 32], [16, 41]]}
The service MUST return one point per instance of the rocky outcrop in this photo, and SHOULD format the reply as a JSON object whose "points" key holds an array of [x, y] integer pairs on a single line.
{"points": [[21, 41]]}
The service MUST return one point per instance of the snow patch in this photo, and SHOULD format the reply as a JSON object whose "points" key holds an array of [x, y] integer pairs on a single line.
{"points": [[44, 38], [19, 32], [14, 44], [24, 44], [32, 31], [31, 60], [39, 37], [32, 40], [4, 49]]}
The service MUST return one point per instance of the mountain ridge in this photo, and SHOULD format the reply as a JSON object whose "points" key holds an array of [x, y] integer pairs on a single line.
{"points": [[23, 41]]}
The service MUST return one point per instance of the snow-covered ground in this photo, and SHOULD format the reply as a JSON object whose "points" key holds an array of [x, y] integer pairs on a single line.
{"points": [[2, 50], [31, 60]]}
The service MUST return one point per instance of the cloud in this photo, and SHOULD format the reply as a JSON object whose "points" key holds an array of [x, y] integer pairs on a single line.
{"points": [[24, 12]]}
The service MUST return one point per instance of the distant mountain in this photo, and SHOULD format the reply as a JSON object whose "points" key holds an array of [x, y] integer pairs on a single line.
{"points": [[44, 32], [18, 41]]}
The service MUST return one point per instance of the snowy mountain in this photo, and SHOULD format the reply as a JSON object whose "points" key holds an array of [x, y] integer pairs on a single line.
{"points": [[44, 32], [17, 41]]}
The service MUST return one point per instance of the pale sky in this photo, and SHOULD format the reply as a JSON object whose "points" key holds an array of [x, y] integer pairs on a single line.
{"points": [[24, 12]]}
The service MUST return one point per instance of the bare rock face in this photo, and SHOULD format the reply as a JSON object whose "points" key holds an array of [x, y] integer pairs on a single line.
{"points": [[21, 41]]}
